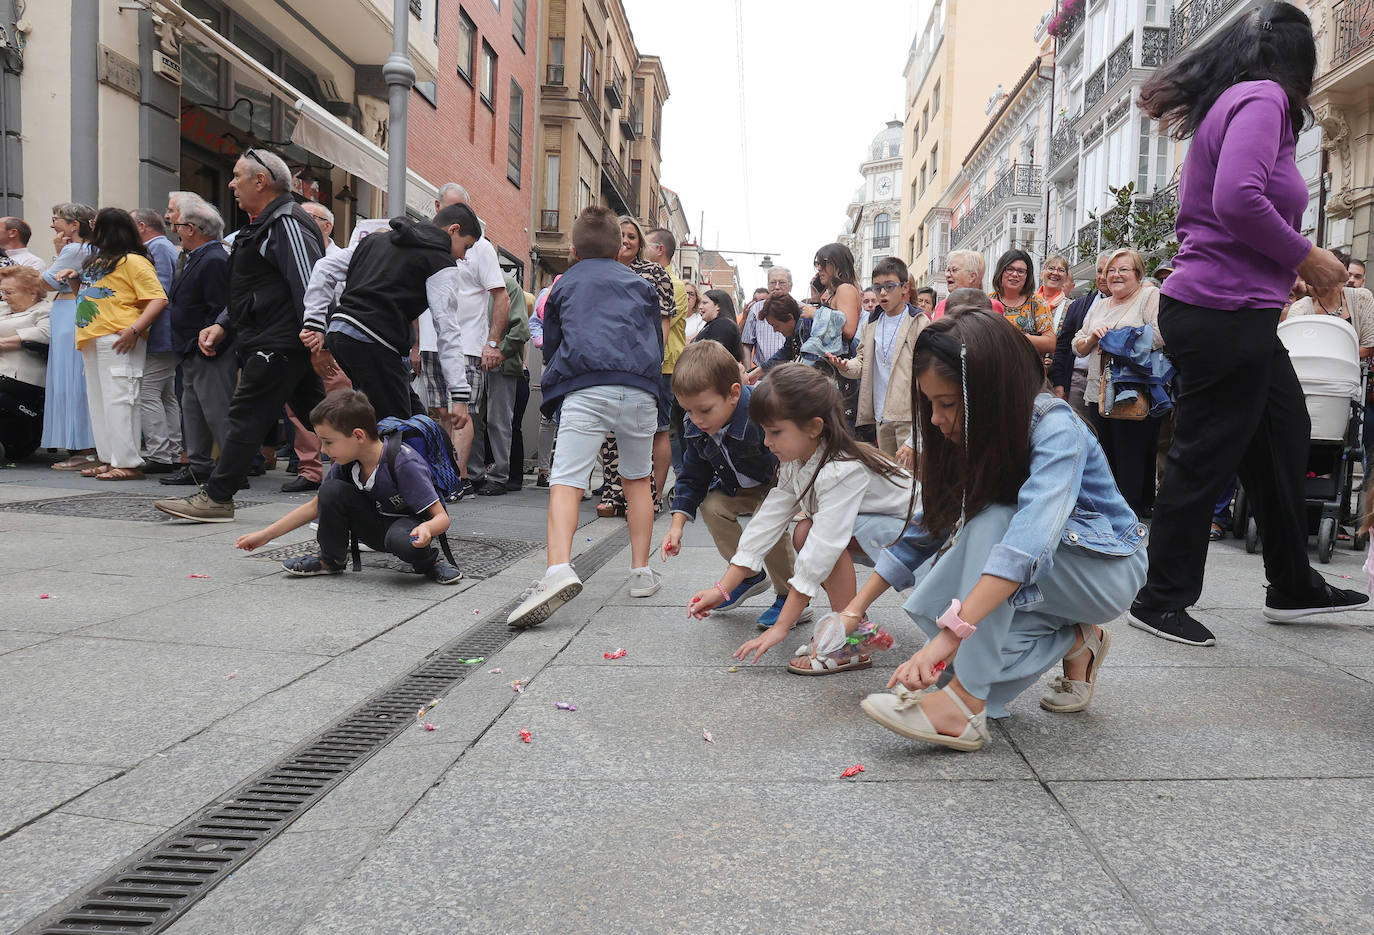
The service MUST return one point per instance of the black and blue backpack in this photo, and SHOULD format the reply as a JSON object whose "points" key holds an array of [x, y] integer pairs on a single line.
{"points": [[428, 439]]}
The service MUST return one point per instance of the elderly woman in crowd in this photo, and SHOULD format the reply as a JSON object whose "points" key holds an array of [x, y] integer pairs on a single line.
{"points": [[1055, 285], [66, 416], [964, 269], [1353, 305], [1129, 445], [23, 321], [1013, 295]]}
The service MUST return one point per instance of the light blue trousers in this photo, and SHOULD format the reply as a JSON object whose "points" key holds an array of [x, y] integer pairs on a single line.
{"points": [[1014, 646]]}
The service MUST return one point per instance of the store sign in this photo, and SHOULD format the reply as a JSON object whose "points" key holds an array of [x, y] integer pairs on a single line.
{"points": [[167, 67], [208, 132], [119, 72]]}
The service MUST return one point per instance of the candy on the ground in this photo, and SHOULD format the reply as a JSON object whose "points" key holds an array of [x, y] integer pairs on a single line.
{"points": [[564, 706], [733, 669], [474, 661], [43, 597], [420, 715], [706, 736], [429, 726], [938, 667], [518, 685], [495, 671], [618, 654], [525, 734], [197, 576], [852, 771], [476, 611], [231, 675]]}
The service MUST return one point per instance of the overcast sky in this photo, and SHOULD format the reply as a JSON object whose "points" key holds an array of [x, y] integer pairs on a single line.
{"points": [[820, 81]]}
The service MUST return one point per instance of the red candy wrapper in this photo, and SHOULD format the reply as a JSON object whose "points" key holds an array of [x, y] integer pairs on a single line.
{"points": [[525, 735], [197, 576], [852, 771], [618, 654], [938, 667]]}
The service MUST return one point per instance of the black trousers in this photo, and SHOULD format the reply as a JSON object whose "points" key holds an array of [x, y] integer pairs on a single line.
{"points": [[345, 509], [517, 433], [268, 381], [1240, 410], [379, 372], [21, 417], [1130, 448]]}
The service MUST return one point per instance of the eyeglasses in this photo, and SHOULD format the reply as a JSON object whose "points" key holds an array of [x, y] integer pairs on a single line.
{"points": [[953, 270], [1015, 271], [883, 288], [175, 224]]}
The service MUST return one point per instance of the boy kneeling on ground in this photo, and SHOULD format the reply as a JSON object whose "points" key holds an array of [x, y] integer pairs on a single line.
{"points": [[388, 511]]}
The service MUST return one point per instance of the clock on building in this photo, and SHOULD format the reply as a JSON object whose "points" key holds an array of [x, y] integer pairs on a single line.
{"points": [[884, 186]]}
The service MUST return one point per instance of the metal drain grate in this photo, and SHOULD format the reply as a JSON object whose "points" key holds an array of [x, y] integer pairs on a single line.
{"points": [[478, 556], [123, 506], [155, 887]]}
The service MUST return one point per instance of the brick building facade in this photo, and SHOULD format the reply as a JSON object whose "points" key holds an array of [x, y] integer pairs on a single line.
{"points": [[476, 125]]}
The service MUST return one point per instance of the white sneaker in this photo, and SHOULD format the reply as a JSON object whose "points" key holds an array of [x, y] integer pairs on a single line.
{"points": [[543, 597], [645, 583]]}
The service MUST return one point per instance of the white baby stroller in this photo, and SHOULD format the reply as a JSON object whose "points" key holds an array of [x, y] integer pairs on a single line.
{"points": [[1326, 356]]}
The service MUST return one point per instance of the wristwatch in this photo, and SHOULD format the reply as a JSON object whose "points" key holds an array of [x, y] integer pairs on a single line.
{"points": [[493, 345], [951, 621]]}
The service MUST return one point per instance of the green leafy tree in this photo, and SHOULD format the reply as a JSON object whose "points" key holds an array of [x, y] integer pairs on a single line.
{"points": [[1141, 225]]}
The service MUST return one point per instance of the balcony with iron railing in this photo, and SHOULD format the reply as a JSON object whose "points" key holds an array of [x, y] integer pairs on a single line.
{"points": [[588, 97], [1191, 18], [1354, 21], [1019, 181], [1154, 46], [1069, 21], [1064, 143], [613, 173], [632, 123], [1095, 86], [1119, 62], [615, 88], [882, 242]]}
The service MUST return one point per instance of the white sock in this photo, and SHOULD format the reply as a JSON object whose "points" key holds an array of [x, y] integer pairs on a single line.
{"points": [[636, 570], [559, 567]]}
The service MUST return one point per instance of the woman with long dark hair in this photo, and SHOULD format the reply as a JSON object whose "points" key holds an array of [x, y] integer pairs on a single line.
{"points": [[839, 287], [718, 311], [1014, 295], [118, 300], [1242, 98]]}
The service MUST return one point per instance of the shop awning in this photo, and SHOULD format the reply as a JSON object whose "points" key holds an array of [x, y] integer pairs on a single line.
{"points": [[316, 130]]}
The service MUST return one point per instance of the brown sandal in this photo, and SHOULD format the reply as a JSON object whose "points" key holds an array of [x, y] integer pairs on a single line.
{"points": [[95, 470], [74, 463], [121, 474]]}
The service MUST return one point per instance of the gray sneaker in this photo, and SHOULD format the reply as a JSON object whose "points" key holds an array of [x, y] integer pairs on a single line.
{"points": [[645, 583], [543, 597], [199, 508], [444, 573]]}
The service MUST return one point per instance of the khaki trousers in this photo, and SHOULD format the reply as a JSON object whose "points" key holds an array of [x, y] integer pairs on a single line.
{"points": [[891, 435], [721, 515]]}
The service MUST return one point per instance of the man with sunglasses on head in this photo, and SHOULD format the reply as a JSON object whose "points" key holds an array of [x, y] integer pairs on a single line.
{"points": [[269, 268]]}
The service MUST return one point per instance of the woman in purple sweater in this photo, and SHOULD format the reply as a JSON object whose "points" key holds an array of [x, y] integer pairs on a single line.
{"points": [[1242, 97]]}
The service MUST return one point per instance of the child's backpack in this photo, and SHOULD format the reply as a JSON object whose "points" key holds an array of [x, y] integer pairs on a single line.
{"points": [[428, 439]]}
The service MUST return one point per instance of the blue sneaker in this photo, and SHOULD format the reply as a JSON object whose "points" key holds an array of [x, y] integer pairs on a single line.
{"points": [[770, 616], [746, 589]]}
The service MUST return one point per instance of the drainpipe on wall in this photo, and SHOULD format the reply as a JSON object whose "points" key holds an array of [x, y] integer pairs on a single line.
{"points": [[85, 103], [11, 124]]}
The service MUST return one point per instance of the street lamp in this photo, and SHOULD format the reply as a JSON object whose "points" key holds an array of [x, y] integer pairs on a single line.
{"points": [[766, 263], [400, 78]]}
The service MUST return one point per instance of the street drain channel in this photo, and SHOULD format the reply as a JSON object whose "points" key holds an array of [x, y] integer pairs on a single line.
{"points": [[155, 887]]}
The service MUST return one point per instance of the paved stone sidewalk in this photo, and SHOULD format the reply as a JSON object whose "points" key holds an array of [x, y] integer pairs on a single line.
{"points": [[1217, 790]]}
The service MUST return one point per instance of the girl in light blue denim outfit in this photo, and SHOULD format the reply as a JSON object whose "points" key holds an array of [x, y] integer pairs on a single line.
{"points": [[1025, 545]]}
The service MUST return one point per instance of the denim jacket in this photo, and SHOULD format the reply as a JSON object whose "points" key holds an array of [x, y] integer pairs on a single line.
{"points": [[1070, 500], [703, 462]]}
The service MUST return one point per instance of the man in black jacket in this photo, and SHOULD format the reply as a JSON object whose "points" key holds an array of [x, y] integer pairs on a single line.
{"points": [[197, 298], [371, 331], [268, 271], [1064, 371]]}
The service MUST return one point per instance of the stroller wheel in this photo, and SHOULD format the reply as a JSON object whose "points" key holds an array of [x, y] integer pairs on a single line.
{"points": [[1326, 539], [1252, 538]]}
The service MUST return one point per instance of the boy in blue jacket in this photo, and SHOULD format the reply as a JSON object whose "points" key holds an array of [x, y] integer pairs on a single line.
{"points": [[603, 347], [726, 469]]}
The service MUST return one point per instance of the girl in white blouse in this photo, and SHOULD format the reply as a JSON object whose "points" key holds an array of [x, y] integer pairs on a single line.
{"points": [[854, 500]]}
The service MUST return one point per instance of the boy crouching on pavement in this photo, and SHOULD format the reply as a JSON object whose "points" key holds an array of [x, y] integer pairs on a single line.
{"points": [[388, 511], [723, 453]]}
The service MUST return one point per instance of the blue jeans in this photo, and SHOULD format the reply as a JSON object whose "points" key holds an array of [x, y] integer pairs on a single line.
{"points": [[1014, 647]]}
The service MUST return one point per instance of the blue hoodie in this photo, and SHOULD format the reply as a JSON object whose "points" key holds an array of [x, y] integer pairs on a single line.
{"points": [[602, 327]]}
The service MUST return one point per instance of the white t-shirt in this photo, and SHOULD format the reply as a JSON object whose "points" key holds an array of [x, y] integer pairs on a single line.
{"points": [[26, 257], [884, 338], [429, 338], [471, 282]]}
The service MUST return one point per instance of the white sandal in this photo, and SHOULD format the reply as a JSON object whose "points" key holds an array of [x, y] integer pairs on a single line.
{"points": [[900, 711], [1068, 695]]}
